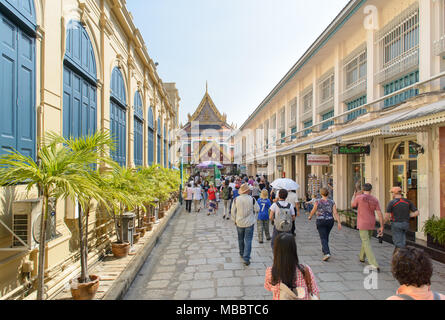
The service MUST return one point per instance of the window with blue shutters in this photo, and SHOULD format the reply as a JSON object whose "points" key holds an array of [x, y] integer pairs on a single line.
{"points": [[138, 129], [165, 146], [17, 78], [354, 104], [293, 130], [118, 118], [307, 124], [150, 137], [159, 142], [398, 84], [79, 83], [327, 116]]}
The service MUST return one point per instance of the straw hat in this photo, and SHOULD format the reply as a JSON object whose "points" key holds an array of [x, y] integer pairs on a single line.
{"points": [[244, 189], [264, 194]]}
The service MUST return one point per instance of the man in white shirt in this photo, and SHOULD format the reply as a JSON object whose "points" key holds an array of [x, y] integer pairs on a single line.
{"points": [[275, 211], [197, 196], [244, 210]]}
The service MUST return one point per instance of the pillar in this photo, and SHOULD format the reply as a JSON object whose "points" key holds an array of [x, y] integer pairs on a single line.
{"points": [[339, 174], [375, 170]]}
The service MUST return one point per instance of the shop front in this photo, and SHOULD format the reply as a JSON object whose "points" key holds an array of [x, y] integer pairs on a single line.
{"points": [[402, 171]]}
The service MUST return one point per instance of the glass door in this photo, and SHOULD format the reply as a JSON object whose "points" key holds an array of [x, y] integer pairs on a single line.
{"points": [[398, 174]]}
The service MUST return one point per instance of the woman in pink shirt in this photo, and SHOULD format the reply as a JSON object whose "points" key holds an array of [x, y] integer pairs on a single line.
{"points": [[413, 269], [286, 269]]}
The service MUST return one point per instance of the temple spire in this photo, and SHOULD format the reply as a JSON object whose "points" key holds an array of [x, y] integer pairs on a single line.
{"points": [[207, 87]]}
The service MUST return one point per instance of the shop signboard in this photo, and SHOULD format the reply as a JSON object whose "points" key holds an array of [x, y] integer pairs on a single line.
{"points": [[318, 160], [351, 150]]}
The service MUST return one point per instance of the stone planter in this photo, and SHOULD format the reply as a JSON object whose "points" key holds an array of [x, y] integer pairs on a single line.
{"points": [[85, 291], [434, 244]]}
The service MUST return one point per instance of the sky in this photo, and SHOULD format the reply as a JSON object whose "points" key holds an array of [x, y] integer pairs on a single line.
{"points": [[241, 48]]}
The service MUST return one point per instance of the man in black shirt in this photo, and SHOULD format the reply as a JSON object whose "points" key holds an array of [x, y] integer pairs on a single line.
{"points": [[399, 211]]}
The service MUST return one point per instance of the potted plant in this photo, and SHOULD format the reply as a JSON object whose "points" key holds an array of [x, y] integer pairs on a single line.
{"points": [[434, 228], [94, 148], [58, 173]]}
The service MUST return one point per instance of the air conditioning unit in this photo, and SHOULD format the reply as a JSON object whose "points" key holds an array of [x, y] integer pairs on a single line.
{"points": [[26, 215]]}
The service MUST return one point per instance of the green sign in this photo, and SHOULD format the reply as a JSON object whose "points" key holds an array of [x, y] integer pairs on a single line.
{"points": [[351, 150]]}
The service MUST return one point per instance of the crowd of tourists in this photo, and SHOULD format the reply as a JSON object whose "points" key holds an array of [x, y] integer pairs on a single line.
{"points": [[252, 200]]}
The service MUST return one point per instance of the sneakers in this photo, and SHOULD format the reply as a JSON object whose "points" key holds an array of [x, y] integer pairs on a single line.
{"points": [[326, 257], [224, 216], [260, 241], [246, 263]]}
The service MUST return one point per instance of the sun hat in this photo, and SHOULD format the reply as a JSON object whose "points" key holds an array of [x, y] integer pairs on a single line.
{"points": [[244, 189], [264, 194]]}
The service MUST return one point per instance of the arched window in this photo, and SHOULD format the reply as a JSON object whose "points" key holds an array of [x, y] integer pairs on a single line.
{"points": [[79, 83], [138, 129], [159, 141], [118, 119], [151, 128], [17, 77]]}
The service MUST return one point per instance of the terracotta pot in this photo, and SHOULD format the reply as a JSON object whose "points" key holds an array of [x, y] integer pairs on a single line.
{"points": [[136, 237], [141, 230], [148, 226], [120, 250], [161, 214], [85, 291], [153, 219]]}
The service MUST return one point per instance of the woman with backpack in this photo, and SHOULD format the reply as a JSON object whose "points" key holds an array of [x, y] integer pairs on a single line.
{"points": [[188, 192], [326, 213], [287, 278]]}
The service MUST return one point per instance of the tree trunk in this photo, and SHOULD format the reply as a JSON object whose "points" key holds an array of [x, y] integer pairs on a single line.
{"points": [[83, 274], [42, 247]]}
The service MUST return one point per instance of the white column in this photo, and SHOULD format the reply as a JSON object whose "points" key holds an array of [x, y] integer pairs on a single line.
{"points": [[339, 175], [375, 170], [426, 29]]}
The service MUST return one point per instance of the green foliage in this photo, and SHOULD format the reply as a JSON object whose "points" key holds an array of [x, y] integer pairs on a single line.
{"points": [[435, 227]]}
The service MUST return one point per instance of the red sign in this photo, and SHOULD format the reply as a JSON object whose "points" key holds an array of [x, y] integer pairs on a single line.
{"points": [[318, 160]]}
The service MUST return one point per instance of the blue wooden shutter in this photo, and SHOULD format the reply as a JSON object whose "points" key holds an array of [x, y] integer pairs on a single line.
{"points": [[118, 112], [17, 107], [138, 129], [159, 141], [150, 137], [79, 83]]}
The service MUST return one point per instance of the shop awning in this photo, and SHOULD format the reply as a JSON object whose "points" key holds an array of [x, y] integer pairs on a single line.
{"points": [[405, 122], [421, 117]]}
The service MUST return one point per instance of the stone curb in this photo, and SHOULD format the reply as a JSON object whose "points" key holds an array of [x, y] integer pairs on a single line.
{"points": [[125, 279]]}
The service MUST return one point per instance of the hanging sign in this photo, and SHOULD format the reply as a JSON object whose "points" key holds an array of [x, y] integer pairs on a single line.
{"points": [[318, 160], [351, 150]]}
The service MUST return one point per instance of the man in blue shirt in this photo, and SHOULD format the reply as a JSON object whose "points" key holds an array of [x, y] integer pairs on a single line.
{"points": [[263, 216]]}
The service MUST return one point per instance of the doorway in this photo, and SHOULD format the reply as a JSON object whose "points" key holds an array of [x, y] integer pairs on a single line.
{"points": [[403, 173]]}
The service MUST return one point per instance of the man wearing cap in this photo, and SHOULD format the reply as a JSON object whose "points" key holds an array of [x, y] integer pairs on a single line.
{"points": [[244, 209], [399, 211]]}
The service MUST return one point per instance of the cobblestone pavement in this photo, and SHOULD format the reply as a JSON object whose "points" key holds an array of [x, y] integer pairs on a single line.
{"points": [[197, 257]]}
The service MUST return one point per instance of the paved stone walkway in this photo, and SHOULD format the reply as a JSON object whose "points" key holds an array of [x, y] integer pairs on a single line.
{"points": [[197, 257]]}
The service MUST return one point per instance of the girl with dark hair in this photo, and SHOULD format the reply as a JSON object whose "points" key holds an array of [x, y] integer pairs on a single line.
{"points": [[287, 270]]}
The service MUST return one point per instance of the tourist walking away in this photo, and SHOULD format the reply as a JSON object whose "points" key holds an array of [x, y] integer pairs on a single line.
{"points": [[367, 205], [189, 198], [281, 215], [212, 199], [205, 189], [197, 196], [226, 193], [263, 216], [256, 190], [244, 210], [287, 278], [413, 269], [398, 212], [292, 198], [326, 211]]}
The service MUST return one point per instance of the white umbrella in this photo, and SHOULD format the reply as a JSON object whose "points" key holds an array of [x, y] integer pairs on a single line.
{"points": [[285, 183]]}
